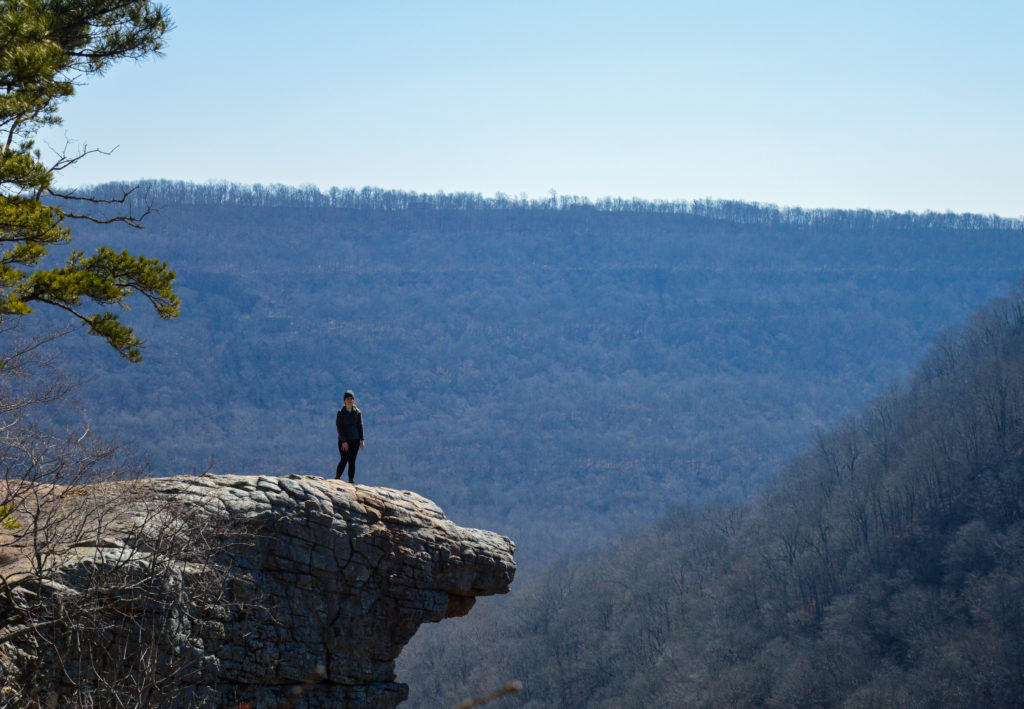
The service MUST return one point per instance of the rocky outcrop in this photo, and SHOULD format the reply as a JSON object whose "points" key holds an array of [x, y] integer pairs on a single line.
{"points": [[330, 581]]}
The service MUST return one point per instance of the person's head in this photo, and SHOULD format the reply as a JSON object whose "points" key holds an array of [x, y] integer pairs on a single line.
{"points": [[350, 400]]}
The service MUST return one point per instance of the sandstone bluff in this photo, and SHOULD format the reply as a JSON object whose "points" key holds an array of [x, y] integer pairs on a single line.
{"points": [[346, 574]]}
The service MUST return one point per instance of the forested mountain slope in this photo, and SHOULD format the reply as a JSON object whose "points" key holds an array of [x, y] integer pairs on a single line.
{"points": [[558, 371], [883, 568]]}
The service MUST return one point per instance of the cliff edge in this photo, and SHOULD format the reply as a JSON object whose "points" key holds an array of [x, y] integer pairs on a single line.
{"points": [[329, 575]]}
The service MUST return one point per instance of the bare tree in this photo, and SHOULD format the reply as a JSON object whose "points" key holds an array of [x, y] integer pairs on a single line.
{"points": [[107, 592]]}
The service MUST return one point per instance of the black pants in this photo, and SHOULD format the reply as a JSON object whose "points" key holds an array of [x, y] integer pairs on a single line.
{"points": [[347, 457]]}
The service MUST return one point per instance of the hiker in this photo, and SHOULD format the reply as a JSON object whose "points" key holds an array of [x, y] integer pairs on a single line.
{"points": [[350, 436]]}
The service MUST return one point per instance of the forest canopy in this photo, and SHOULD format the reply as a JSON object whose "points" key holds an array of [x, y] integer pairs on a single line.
{"points": [[557, 372], [883, 567]]}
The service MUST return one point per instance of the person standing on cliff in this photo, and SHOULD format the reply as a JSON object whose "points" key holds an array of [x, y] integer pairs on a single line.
{"points": [[349, 422]]}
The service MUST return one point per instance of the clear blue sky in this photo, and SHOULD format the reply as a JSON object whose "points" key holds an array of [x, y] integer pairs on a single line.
{"points": [[881, 105]]}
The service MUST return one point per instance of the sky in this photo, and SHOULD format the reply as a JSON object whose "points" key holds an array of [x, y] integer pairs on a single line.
{"points": [[905, 105]]}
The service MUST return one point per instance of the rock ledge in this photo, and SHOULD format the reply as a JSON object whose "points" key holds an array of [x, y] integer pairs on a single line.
{"points": [[346, 574]]}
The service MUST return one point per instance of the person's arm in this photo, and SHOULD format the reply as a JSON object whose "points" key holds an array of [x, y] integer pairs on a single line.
{"points": [[362, 443]]}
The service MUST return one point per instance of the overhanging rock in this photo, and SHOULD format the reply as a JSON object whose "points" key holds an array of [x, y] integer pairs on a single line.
{"points": [[342, 575]]}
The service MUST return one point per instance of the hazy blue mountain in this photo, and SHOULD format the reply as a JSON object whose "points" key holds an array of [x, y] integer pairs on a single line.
{"points": [[560, 371], [884, 567]]}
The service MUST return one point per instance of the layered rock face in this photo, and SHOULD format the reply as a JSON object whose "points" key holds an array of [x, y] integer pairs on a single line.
{"points": [[337, 578]]}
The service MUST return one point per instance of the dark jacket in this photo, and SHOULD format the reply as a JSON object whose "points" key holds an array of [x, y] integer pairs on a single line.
{"points": [[350, 425]]}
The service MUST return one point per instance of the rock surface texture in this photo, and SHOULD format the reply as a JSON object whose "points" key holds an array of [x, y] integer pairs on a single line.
{"points": [[343, 575]]}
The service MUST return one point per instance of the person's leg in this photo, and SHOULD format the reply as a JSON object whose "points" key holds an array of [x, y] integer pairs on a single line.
{"points": [[353, 451], [341, 463]]}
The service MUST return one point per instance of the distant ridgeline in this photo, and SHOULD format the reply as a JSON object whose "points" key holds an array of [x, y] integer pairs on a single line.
{"points": [[560, 369], [169, 192]]}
